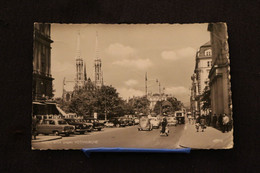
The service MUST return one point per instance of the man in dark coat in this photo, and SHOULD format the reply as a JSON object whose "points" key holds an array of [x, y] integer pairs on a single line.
{"points": [[164, 124], [220, 121], [214, 120]]}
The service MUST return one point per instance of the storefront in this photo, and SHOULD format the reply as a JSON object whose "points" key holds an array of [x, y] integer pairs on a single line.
{"points": [[46, 110]]}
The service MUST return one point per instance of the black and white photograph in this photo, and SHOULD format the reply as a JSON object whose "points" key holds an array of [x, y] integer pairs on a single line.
{"points": [[158, 86]]}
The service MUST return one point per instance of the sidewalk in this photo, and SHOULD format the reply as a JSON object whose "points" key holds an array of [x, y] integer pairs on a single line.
{"points": [[43, 138], [211, 138]]}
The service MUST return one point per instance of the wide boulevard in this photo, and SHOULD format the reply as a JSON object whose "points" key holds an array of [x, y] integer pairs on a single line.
{"points": [[127, 137]]}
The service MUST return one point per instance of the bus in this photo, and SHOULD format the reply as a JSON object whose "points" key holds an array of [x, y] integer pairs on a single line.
{"points": [[180, 116]]}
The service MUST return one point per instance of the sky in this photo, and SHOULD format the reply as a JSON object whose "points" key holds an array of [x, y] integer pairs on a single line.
{"points": [[165, 51]]}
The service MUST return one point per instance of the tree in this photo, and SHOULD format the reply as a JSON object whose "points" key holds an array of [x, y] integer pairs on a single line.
{"points": [[175, 105], [139, 104], [105, 100], [206, 99]]}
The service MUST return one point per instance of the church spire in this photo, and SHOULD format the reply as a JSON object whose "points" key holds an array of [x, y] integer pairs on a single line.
{"points": [[85, 73], [78, 45], [98, 64]]}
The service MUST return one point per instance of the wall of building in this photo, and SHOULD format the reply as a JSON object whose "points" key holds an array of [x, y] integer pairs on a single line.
{"points": [[42, 79]]}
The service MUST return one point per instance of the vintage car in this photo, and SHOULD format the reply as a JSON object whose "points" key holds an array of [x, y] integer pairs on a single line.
{"points": [[145, 124], [96, 124], [172, 121], [118, 122], [88, 124], [155, 122], [80, 127], [109, 124], [131, 121], [55, 126], [136, 121]]}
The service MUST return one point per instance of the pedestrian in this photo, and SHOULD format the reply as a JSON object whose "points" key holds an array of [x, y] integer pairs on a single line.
{"points": [[189, 117], [225, 123], [220, 121], [214, 120], [197, 123], [34, 126], [164, 124], [203, 123]]}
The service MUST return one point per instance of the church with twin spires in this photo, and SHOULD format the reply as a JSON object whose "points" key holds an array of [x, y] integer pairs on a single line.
{"points": [[82, 81]]}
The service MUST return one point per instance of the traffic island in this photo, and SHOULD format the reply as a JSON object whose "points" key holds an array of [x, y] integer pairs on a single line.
{"points": [[210, 138]]}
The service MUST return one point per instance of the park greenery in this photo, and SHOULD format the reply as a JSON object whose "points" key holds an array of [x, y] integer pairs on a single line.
{"points": [[106, 100]]}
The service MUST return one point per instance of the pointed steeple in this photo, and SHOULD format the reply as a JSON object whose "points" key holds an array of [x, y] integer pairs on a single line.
{"points": [[78, 45], [97, 51], [85, 73], [98, 64]]}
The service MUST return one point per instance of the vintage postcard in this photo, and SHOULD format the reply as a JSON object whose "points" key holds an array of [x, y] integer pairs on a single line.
{"points": [[161, 86]]}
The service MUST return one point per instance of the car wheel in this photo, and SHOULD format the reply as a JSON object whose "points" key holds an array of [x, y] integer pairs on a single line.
{"points": [[81, 133], [67, 134], [99, 129], [55, 133]]}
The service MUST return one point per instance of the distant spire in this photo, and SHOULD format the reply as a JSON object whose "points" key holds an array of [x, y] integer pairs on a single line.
{"points": [[78, 45], [85, 72], [97, 51]]}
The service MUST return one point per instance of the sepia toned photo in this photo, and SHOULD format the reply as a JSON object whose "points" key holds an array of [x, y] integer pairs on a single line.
{"points": [[161, 86]]}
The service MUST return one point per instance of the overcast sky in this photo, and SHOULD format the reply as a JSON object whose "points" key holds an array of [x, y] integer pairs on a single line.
{"points": [[165, 51]]}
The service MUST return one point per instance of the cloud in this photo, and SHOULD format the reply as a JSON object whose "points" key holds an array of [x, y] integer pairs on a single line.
{"points": [[187, 52], [169, 55], [120, 51], [179, 90], [137, 63], [131, 82], [129, 92], [178, 54]]}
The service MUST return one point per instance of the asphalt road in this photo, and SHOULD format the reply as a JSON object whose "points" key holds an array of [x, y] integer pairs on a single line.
{"points": [[127, 137]]}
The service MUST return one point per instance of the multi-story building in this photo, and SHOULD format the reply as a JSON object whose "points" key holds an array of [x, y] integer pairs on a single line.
{"points": [[200, 78], [219, 74], [42, 78]]}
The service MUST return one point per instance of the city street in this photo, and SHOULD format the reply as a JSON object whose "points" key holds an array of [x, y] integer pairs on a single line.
{"points": [[127, 137]]}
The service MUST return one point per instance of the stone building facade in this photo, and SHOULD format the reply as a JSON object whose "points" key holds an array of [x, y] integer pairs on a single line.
{"points": [[200, 80], [42, 78], [219, 74]]}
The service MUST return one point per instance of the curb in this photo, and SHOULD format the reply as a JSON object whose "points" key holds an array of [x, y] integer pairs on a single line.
{"points": [[44, 140]]}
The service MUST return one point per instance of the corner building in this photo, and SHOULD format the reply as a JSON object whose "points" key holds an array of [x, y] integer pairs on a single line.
{"points": [[219, 74], [42, 78]]}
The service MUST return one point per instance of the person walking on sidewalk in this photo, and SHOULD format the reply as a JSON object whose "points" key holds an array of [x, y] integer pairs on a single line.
{"points": [[34, 125], [214, 120], [203, 123], [225, 123], [197, 123], [220, 121]]}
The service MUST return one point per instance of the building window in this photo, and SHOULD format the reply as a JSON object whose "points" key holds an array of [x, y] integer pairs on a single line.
{"points": [[208, 52], [208, 63]]}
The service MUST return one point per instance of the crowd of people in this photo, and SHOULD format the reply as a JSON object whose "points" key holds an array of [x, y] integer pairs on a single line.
{"points": [[222, 122]]}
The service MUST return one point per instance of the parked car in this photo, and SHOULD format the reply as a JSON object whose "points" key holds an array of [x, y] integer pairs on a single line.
{"points": [[172, 121], [118, 122], [155, 122], [131, 122], [136, 121], [109, 124], [55, 126], [145, 124], [88, 124], [96, 124], [80, 127]]}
